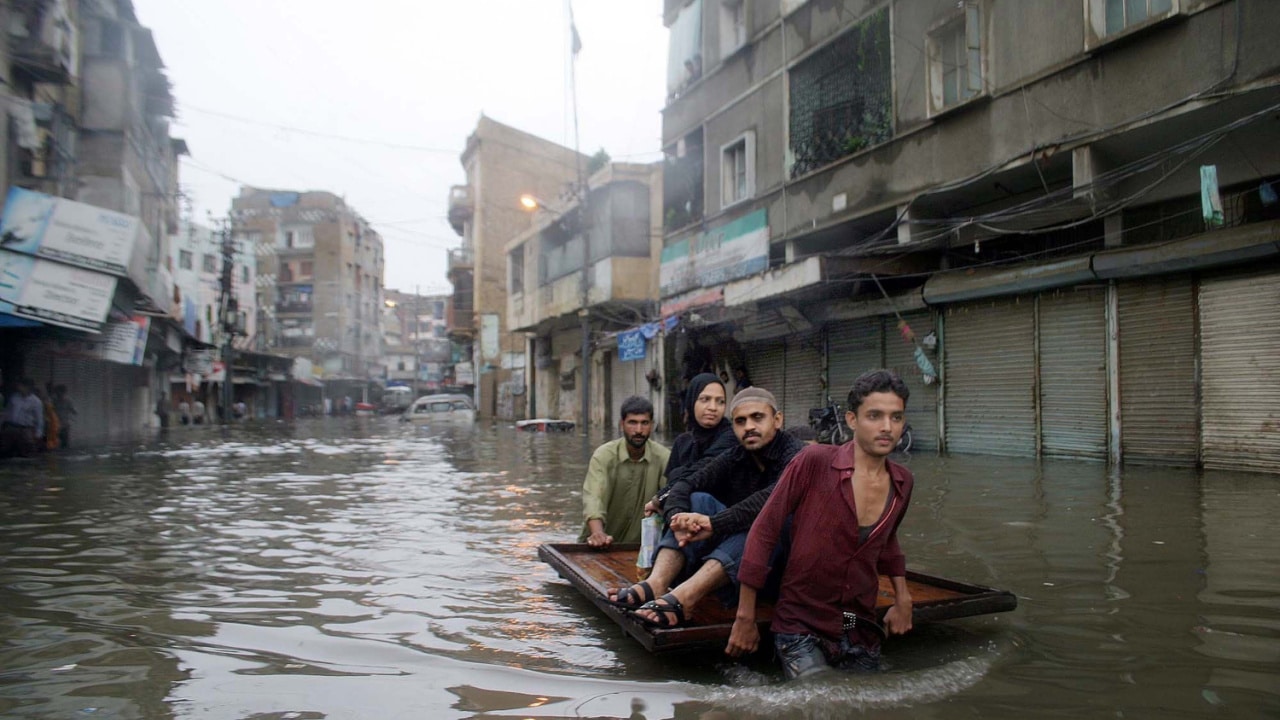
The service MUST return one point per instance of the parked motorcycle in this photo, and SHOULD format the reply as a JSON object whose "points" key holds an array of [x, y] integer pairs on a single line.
{"points": [[828, 423]]}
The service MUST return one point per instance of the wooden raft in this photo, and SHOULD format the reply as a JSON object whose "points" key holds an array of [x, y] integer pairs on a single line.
{"points": [[594, 572]]}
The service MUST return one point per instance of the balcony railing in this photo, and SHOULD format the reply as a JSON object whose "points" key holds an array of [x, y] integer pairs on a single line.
{"points": [[461, 207], [461, 259], [293, 307]]}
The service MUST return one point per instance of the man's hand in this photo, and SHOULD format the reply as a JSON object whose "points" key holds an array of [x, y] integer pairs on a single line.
{"points": [[744, 638], [598, 538], [690, 527], [898, 619], [651, 507]]}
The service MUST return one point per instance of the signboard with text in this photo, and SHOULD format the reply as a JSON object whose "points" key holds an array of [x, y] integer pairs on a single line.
{"points": [[67, 231], [631, 345], [54, 293], [735, 250]]}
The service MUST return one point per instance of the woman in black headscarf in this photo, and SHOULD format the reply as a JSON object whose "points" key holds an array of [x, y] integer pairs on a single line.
{"points": [[709, 435]]}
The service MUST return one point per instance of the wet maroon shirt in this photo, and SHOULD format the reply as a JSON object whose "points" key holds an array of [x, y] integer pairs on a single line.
{"points": [[828, 571]]}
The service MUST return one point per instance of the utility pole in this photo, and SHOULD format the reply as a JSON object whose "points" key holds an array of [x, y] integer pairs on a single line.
{"points": [[229, 311], [417, 340], [584, 220]]}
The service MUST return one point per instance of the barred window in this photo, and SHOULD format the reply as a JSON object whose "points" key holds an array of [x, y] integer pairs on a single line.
{"points": [[841, 97]]}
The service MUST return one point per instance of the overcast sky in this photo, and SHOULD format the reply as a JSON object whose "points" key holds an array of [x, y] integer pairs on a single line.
{"points": [[260, 83]]}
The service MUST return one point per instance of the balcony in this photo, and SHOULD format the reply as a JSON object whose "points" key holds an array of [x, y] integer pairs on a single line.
{"points": [[40, 44], [461, 208], [460, 322], [293, 308], [461, 259]]}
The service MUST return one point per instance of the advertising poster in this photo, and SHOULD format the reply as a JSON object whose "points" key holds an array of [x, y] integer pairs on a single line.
{"points": [[67, 231], [54, 293]]}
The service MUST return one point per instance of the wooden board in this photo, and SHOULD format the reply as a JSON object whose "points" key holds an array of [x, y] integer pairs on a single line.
{"points": [[594, 572]]}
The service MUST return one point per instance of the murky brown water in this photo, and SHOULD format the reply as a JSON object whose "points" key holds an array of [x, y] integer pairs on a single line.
{"points": [[362, 569]]}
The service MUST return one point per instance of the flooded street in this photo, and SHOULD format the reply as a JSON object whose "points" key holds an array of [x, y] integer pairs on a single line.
{"points": [[358, 568]]}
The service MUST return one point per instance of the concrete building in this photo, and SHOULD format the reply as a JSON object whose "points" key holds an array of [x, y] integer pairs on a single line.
{"points": [[416, 340], [319, 283], [88, 106], [502, 164], [1002, 201], [548, 292]]}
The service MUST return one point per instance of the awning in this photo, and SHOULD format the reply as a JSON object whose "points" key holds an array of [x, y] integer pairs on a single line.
{"points": [[1211, 249], [971, 284]]}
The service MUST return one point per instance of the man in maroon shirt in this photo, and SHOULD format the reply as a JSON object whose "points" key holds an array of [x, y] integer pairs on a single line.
{"points": [[846, 503]]}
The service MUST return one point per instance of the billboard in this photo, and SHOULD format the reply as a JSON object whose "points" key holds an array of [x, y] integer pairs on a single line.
{"points": [[735, 250], [69, 232], [54, 293]]}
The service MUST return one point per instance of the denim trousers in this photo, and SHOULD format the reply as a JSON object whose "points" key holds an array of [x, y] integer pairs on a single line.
{"points": [[803, 655]]}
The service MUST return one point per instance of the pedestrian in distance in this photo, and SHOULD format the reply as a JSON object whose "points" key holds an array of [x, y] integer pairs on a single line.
{"points": [[67, 413], [621, 477], [845, 504], [162, 410], [23, 422]]}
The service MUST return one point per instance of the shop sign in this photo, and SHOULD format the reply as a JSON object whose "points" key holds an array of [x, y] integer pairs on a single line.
{"points": [[735, 250], [69, 232], [631, 345], [54, 293]]}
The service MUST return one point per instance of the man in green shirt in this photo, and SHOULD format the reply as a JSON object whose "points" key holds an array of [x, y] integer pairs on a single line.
{"points": [[622, 476]]}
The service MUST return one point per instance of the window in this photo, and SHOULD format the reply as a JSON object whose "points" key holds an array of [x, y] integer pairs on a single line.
{"points": [[733, 26], [210, 263], [682, 182], [244, 274], [1121, 14], [185, 259], [955, 59], [307, 269], [738, 169], [836, 112], [684, 51], [516, 264], [297, 236]]}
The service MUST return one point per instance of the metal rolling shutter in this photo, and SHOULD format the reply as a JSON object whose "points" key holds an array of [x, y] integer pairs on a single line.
{"points": [[1240, 349], [853, 347], [120, 407], [628, 379], [990, 393], [1073, 373], [88, 390], [803, 387], [900, 357], [766, 366], [1158, 371]]}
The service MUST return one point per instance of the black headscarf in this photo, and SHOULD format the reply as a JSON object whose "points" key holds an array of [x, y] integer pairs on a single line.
{"points": [[698, 442]]}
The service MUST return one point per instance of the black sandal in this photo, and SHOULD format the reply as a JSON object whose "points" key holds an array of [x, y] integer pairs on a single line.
{"points": [[669, 605], [629, 598]]}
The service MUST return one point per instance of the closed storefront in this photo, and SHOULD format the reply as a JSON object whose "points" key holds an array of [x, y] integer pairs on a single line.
{"points": [[900, 357], [624, 380], [1158, 417], [990, 377], [766, 365], [1240, 350], [853, 347], [802, 386], [1073, 372]]}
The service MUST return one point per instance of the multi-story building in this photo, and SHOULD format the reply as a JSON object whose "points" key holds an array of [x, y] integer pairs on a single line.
{"points": [[89, 105], [1056, 220], [196, 256], [549, 294], [502, 165], [319, 282], [416, 340]]}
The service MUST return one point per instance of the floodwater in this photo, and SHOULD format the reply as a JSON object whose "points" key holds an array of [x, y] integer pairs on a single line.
{"points": [[357, 568]]}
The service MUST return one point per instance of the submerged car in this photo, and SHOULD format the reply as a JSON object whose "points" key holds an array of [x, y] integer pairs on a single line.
{"points": [[446, 408]]}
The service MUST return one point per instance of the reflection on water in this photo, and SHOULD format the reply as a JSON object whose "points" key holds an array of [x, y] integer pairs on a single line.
{"points": [[364, 569]]}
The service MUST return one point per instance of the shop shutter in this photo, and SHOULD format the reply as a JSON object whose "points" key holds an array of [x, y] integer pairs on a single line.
{"points": [[89, 391], [802, 386], [122, 417], [1073, 373], [990, 375], [766, 365], [1240, 351], [900, 357], [628, 379], [853, 347], [1158, 417]]}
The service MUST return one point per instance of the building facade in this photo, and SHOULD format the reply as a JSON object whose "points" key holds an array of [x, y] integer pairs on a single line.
{"points": [[416, 340], [1055, 220], [319, 284], [616, 235], [88, 106], [502, 164]]}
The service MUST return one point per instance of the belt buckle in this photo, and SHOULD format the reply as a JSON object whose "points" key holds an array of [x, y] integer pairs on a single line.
{"points": [[850, 621]]}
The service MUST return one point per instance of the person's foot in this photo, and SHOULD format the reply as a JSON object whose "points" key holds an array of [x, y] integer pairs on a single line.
{"points": [[634, 596], [665, 612]]}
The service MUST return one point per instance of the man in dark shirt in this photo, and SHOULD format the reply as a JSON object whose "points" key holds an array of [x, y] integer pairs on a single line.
{"points": [[709, 512], [846, 504]]}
